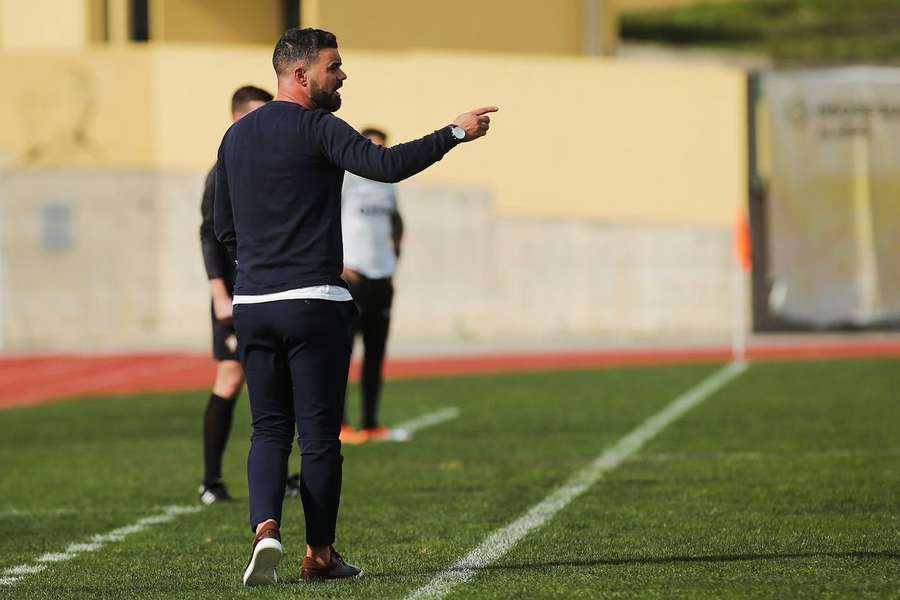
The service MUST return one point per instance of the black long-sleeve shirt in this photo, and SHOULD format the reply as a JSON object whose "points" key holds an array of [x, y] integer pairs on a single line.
{"points": [[215, 256], [278, 192]]}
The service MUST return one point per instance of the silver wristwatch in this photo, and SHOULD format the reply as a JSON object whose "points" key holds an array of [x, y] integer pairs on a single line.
{"points": [[458, 133]]}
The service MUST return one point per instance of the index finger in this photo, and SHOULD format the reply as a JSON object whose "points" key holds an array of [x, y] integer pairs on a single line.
{"points": [[485, 109]]}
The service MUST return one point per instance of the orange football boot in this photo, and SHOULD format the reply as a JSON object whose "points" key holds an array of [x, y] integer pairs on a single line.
{"points": [[353, 437]]}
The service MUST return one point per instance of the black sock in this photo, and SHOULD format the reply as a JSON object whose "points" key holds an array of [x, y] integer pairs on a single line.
{"points": [[371, 383], [216, 427]]}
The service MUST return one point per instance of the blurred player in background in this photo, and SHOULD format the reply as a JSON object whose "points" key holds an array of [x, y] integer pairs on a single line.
{"points": [[373, 233], [229, 380]]}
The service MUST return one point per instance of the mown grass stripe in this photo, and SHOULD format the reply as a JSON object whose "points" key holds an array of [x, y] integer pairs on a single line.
{"points": [[13, 575], [503, 540]]}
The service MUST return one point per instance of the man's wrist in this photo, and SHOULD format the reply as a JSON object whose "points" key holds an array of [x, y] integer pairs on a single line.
{"points": [[457, 133], [218, 290]]}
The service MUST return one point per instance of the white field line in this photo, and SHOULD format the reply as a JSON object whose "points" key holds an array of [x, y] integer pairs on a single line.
{"points": [[13, 575], [834, 453], [15, 513], [502, 540], [429, 420]]}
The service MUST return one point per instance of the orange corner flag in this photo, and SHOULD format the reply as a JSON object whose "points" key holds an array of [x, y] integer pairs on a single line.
{"points": [[743, 246]]}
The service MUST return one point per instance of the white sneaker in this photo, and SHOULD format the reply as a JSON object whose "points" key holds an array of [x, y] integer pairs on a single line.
{"points": [[267, 552]]}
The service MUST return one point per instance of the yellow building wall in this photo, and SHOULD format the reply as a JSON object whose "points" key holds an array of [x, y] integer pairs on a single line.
{"points": [[95, 110], [216, 21], [575, 137], [535, 26], [530, 26], [192, 99], [30, 24]]}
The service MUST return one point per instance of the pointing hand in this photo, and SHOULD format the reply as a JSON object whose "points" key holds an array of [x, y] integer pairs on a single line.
{"points": [[475, 122]]}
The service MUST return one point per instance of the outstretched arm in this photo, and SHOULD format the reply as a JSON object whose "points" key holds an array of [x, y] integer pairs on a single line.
{"points": [[346, 148]]}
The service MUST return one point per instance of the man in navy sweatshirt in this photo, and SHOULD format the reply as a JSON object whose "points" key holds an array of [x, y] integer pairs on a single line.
{"points": [[278, 211]]}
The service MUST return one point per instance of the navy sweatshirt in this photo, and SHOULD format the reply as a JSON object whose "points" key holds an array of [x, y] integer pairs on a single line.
{"points": [[278, 192]]}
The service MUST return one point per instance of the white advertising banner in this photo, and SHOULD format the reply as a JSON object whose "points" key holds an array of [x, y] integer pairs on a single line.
{"points": [[834, 196]]}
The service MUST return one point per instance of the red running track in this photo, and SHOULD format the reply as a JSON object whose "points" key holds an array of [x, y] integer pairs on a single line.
{"points": [[30, 380]]}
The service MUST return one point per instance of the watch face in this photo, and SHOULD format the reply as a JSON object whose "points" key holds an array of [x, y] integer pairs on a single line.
{"points": [[458, 132]]}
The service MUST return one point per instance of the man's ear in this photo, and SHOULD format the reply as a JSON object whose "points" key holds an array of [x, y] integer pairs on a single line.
{"points": [[300, 76]]}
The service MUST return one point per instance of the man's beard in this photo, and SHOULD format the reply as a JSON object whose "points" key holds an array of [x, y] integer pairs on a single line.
{"points": [[330, 101]]}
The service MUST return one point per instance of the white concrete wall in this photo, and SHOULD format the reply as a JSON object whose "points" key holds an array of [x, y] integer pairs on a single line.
{"points": [[101, 291], [133, 276], [467, 273]]}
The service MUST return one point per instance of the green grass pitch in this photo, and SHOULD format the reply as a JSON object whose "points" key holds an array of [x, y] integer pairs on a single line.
{"points": [[786, 483]]}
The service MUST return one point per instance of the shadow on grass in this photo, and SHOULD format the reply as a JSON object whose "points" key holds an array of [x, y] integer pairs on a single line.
{"points": [[714, 558], [403, 574]]}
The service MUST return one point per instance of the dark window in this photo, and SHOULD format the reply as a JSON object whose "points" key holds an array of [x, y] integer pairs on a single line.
{"points": [[291, 13], [140, 20]]}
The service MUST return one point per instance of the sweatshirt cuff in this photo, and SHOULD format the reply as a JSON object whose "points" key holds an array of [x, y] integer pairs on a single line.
{"points": [[450, 140]]}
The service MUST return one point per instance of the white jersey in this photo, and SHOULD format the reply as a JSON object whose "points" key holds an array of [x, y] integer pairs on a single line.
{"points": [[366, 209]]}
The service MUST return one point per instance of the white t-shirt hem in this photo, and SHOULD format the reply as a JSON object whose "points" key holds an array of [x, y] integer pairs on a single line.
{"points": [[318, 292]]}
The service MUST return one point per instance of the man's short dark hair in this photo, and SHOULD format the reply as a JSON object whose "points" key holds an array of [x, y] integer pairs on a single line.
{"points": [[244, 95], [300, 45], [373, 131]]}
